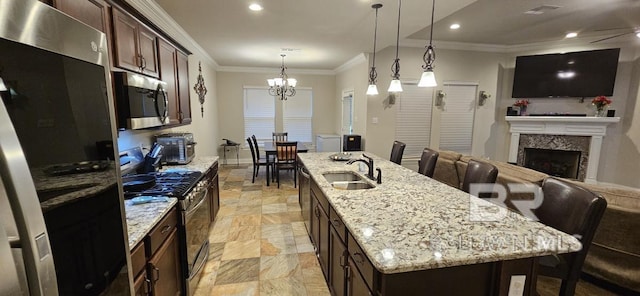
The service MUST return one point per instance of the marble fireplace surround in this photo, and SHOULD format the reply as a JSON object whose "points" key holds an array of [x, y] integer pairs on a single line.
{"points": [[595, 128]]}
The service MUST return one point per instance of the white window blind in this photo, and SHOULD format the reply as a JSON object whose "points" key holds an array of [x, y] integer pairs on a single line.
{"points": [[259, 113], [413, 119], [298, 115], [456, 124]]}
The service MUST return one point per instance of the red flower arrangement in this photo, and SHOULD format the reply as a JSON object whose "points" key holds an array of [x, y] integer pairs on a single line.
{"points": [[600, 102], [521, 103]]}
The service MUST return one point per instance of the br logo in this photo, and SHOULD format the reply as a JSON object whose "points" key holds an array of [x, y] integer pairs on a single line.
{"points": [[495, 208]]}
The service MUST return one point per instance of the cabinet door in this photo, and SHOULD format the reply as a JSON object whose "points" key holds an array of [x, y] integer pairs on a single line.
{"points": [[315, 223], [214, 190], [184, 90], [339, 254], [148, 51], [164, 268], [141, 285], [168, 72], [126, 41], [91, 12], [323, 247], [356, 285]]}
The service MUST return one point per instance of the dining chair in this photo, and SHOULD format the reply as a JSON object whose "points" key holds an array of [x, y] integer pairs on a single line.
{"points": [[280, 137], [286, 159], [258, 160], [396, 151], [427, 162], [479, 172], [574, 210]]}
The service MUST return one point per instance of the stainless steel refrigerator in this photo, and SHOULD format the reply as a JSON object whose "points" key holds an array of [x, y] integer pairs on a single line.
{"points": [[62, 226]]}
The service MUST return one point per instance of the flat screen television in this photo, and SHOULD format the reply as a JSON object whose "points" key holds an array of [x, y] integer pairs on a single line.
{"points": [[574, 74]]}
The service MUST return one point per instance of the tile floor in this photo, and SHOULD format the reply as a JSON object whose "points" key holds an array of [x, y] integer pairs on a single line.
{"points": [[259, 244]]}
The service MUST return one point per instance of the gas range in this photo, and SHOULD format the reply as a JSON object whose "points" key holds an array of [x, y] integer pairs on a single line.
{"points": [[172, 184]]}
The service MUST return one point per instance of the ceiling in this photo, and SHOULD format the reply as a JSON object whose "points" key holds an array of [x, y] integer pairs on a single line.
{"points": [[326, 34]]}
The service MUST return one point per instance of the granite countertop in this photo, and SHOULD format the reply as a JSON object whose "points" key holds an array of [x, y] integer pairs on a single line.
{"points": [[68, 188], [411, 222], [141, 218], [199, 163]]}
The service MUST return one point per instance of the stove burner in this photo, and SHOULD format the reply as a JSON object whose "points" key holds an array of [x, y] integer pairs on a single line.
{"points": [[173, 184]]}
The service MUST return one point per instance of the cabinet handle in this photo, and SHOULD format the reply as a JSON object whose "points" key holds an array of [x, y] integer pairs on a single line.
{"points": [[316, 211], [343, 259], [336, 223], [144, 62], [88, 286], [347, 272], [165, 229], [146, 288], [156, 271], [358, 258]]}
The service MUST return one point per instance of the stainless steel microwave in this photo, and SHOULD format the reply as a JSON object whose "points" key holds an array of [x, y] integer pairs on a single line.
{"points": [[141, 101]]}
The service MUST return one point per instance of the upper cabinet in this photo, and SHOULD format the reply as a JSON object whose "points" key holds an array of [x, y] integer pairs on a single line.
{"points": [[135, 45], [94, 13], [174, 70]]}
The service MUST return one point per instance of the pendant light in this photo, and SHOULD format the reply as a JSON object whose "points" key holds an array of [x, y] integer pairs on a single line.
{"points": [[428, 78], [372, 90], [396, 85]]}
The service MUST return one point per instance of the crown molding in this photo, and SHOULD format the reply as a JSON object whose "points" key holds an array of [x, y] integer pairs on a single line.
{"points": [[274, 70], [164, 21], [357, 60], [455, 45]]}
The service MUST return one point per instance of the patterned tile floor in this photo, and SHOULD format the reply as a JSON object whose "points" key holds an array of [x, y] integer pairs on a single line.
{"points": [[259, 244]]}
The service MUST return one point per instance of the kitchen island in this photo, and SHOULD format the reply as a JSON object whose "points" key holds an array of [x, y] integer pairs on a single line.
{"points": [[412, 234]]}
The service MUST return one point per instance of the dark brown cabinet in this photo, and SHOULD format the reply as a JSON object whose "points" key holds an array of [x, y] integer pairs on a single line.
{"points": [[135, 45], [155, 261], [320, 228], [356, 285], [164, 276], [338, 264], [184, 90], [214, 190], [94, 13], [168, 73], [174, 70]]}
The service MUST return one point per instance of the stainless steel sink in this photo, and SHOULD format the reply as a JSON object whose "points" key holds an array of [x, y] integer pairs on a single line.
{"points": [[353, 185], [341, 176]]}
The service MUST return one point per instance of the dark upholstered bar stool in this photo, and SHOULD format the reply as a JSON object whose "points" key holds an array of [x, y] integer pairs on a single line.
{"points": [[280, 137], [286, 159], [396, 151], [479, 172], [427, 162], [573, 210]]}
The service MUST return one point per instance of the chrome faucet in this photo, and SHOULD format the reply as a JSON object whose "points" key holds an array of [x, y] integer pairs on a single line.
{"points": [[368, 162]]}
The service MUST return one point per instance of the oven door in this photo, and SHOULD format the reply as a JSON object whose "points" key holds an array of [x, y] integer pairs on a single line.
{"points": [[197, 221]]}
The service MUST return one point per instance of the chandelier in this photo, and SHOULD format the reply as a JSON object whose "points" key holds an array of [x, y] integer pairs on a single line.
{"points": [[283, 86], [396, 85]]}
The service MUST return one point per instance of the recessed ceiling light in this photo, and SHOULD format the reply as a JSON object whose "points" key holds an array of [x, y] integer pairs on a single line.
{"points": [[638, 34], [255, 7], [571, 35], [454, 26]]}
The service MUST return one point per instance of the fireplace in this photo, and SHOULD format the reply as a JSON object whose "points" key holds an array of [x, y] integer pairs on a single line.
{"points": [[558, 163], [584, 134]]}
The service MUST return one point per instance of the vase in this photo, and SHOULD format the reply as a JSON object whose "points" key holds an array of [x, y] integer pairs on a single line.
{"points": [[523, 110], [601, 111]]}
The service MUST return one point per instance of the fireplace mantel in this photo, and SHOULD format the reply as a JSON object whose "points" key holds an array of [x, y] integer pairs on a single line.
{"points": [[594, 127]]}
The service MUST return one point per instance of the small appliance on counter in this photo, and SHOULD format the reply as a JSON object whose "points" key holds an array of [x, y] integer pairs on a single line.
{"points": [[179, 148]]}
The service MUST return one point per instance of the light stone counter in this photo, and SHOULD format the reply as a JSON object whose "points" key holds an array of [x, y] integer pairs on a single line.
{"points": [[411, 222], [201, 164], [141, 218]]}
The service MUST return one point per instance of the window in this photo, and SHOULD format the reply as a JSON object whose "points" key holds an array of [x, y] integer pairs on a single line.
{"points": [[298, 115], [456, 121], [259, 113], [413, 119]]}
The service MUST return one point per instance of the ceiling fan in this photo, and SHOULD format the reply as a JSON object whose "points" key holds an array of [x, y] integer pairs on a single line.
{"points": [[621, 32]]}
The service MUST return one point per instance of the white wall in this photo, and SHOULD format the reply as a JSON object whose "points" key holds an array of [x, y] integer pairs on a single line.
{"points": [[450, 65], [354, 78], [230, 103]]}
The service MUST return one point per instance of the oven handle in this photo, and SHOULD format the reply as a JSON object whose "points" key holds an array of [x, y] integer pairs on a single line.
{"points": [[190, 212], [200, 265]]}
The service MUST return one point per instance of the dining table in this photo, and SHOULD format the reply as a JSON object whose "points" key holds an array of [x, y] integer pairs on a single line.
{"points": [[271, 153]]}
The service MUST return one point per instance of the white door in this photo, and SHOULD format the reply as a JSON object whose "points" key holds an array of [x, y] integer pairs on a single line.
{"points": [[457, 116], [347, 113]]}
